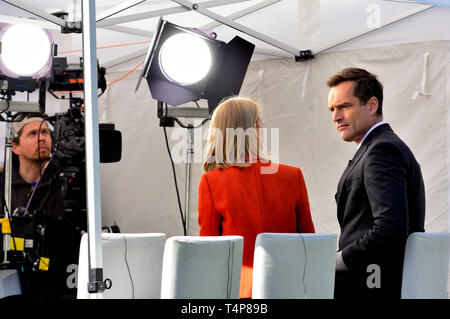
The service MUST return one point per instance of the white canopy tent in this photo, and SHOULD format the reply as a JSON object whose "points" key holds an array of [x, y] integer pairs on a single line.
{"points": [[406, 44]]}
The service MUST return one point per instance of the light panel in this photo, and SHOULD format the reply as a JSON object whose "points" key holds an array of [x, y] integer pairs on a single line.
{"points": [[185, 58], [26, 51]]}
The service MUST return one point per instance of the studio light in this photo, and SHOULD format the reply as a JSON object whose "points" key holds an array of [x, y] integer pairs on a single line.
{"points": [[25, 51], [184, 65], [25, 63], [190, 67]]}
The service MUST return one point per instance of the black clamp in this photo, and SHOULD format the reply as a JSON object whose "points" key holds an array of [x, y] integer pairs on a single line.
{"points": [[304, 55], [99, 286], [95, 287], [96, 284], [72, 27]]}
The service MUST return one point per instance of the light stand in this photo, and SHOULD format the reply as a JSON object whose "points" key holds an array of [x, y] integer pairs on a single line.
{"points": [[189, 156], [168, 116], [7, 177]]}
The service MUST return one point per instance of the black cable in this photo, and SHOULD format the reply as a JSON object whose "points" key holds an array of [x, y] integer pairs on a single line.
{"points": [[175, 179], [128, 267]]}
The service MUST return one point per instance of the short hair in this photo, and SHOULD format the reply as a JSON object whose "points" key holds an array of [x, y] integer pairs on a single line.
{"points": [[366, 85], [18, 126], [231, 134]]}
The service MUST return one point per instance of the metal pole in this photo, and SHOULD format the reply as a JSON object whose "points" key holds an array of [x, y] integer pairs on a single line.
{"points": [[95, 284], [237, 26], [117, 9], [189, 156], [7, 176], [33, 10]]}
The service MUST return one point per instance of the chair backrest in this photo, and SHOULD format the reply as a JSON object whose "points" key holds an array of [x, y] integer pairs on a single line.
{"points": [[133, 262], [206, 267], [9, 283], [294, 266], [425, 267]]}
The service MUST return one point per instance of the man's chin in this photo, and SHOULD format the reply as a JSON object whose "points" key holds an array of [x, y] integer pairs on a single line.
{"points": [[346, 138], [44, 156]]}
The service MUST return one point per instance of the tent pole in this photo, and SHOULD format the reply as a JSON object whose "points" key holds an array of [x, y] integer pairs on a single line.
{"points": [[237, 26], [119, 8], [161, 12], [95, 285], [240, 13], [47, 16]]}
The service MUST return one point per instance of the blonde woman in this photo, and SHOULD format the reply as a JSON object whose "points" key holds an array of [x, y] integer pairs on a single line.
{"points": [[238, 194]]}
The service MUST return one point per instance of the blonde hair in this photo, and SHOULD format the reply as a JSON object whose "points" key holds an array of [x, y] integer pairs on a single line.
{"points": [[232, 139]]}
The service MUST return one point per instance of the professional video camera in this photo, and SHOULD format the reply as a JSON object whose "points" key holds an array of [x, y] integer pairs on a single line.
{"points": [[69, 135], [69, 151]]}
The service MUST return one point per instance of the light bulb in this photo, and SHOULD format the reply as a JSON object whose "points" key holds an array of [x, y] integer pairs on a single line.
{"points": [[185, 58], [25, 50]]}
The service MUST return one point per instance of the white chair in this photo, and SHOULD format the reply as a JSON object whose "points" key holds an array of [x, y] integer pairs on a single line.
{"points": [[133, 262], [9, 283], [294, 266], [425, 267], [207, 267]]}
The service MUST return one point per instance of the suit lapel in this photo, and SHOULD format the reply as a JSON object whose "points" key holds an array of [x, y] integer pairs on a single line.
{"points": [[351, 164]]}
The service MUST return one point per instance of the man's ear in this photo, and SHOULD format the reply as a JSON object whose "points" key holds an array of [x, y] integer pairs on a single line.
{"points": [[373, 105], [16, 149]]}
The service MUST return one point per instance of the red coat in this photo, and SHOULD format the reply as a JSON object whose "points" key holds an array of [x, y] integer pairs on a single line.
{"points": [[242, 201]]}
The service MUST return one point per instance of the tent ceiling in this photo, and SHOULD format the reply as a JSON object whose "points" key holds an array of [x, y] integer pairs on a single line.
{"points": [[321, 25]]}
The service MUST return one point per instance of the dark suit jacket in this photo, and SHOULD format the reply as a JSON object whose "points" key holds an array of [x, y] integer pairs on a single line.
{"points": [[380, 201]]}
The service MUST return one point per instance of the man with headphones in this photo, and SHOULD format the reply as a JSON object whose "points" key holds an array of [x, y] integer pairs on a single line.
{"points": [[37, 200]]}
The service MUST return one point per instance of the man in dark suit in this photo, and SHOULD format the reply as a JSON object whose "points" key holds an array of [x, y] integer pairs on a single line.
{"points": [[380, 196]]}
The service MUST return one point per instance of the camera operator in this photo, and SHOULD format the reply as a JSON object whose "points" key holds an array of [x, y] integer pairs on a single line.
{"points": [[36, 194]]}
